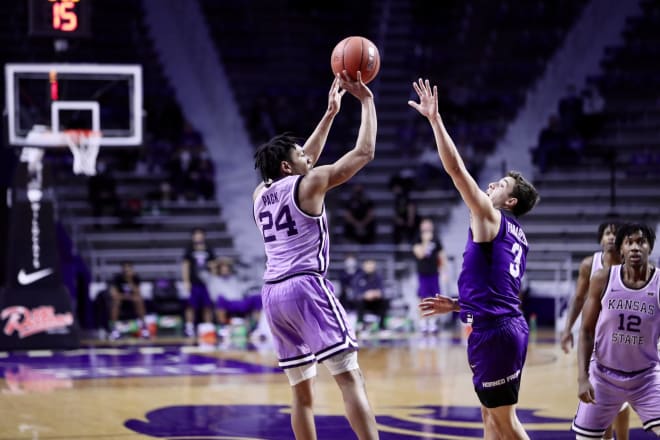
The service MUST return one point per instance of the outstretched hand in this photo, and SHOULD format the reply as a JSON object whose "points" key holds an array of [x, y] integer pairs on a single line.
{"points": [[355, 87], [437, 305], [428, 98]]}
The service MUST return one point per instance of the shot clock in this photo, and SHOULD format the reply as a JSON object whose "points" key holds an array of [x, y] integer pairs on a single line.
{"points": [[60, 18]]}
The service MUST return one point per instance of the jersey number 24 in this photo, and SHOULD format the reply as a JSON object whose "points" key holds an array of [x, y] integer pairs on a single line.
{"points": [[283, 222]]}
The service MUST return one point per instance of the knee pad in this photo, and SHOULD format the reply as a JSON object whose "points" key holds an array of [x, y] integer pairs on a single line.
{"points": [[342, 362], [301, 373]]}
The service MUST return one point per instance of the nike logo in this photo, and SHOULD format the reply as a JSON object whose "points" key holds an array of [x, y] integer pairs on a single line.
{"points": [[24, 278]]}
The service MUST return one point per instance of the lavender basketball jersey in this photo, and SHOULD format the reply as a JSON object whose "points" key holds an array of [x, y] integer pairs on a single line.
{"points": [[596, 263], [489, 282], [295, 242], [628, 326]]}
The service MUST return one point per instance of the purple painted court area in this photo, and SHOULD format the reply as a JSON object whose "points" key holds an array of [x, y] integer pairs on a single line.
{"points": [[272, 423], [97, 363]]}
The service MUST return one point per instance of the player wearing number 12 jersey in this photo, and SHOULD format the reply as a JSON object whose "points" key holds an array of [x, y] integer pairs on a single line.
{"points": [[307, 321], [489, 283], [618, 358]]}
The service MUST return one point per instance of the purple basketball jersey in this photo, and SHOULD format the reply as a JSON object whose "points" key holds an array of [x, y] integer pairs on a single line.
{"points": [[628, 326], [295, 242], [489, 282]]}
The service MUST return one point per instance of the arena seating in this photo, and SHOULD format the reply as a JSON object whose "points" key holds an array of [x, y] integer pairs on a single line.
{"points": [[617, 170]]}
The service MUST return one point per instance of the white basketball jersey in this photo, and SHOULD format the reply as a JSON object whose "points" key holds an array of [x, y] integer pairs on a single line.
{"points": [[628, 326], [596, 263]]}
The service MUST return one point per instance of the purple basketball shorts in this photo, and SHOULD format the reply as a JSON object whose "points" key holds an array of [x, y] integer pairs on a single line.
{"points": [[307, 321], [496, 354]]}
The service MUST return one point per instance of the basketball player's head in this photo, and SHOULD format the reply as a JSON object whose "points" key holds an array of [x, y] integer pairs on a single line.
{"points": [[280, 157], [198, 237], [634, 241], [513, 193], [607, 235], [127, 268]]}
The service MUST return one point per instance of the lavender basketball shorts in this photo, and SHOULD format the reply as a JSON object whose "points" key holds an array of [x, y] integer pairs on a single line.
{"points": [[199, 296], [429, 285], [240, 306], [496, 354], [307, 321], [611, 390]]}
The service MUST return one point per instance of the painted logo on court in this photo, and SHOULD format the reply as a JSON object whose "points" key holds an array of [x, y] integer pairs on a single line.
{"points": [[134, 362], [272, 422]]}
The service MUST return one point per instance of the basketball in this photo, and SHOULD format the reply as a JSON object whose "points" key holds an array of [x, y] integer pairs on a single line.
{"points": [[353, 54]]}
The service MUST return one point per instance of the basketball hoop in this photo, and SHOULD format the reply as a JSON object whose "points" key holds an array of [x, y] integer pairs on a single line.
{"points": [[84, 145]]}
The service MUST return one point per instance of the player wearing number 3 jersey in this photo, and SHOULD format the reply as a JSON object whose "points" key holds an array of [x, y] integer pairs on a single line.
{"points": [[489, 283], [307, 321]]}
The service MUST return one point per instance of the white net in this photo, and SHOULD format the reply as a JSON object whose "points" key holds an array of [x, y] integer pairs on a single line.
{"points": [[84, 145]]}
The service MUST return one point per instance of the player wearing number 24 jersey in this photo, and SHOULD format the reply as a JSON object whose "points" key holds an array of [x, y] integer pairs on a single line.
{"points": [[489, 283], [307, 321]]}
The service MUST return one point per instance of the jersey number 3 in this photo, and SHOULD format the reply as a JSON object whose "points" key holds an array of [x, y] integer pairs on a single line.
{"points": [[283, 221], [514, 266]]}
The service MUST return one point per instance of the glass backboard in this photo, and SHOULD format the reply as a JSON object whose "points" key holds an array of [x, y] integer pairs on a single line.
{"points": [[105, 98]]}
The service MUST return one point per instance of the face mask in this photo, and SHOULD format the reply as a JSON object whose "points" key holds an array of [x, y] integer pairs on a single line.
{"points": [[350, 265]]}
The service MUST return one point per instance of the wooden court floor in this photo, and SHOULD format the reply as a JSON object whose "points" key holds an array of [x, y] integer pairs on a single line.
{"points": [[420, 388]]}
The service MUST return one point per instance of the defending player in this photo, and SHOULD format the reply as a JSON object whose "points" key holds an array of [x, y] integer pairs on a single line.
{"points": [[605, 258], [621, 320], [489, 283], [307, 321]]}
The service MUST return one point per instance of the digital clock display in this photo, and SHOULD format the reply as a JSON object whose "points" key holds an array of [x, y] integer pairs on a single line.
{"points": [[60, 18]]}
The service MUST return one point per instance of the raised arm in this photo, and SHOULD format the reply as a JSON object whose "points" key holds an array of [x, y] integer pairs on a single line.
{"points": [[319, 180], [590, 314], [477, 201], [581, 288], [316, 141]]}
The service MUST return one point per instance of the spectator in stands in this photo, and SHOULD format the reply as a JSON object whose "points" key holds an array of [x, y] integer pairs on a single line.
{"points": [[231, 298], [359, 218], [203, 177], [197, 257], [125, 287], [570, 110], [102, 191], [369, 294], [644, 162], [182, 166], [405, 211], [430, 260], [552, 141], [594, 107], [346, 276], [428, 168]]}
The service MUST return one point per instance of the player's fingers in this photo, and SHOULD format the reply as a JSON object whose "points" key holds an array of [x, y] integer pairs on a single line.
{"points": [[344, 76], [414, 105], [421, 86], [359, 76], [417, 89]]}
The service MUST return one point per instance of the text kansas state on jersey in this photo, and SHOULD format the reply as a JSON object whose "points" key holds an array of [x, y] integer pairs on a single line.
{"points": [[628, 326], [295, 242]]}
